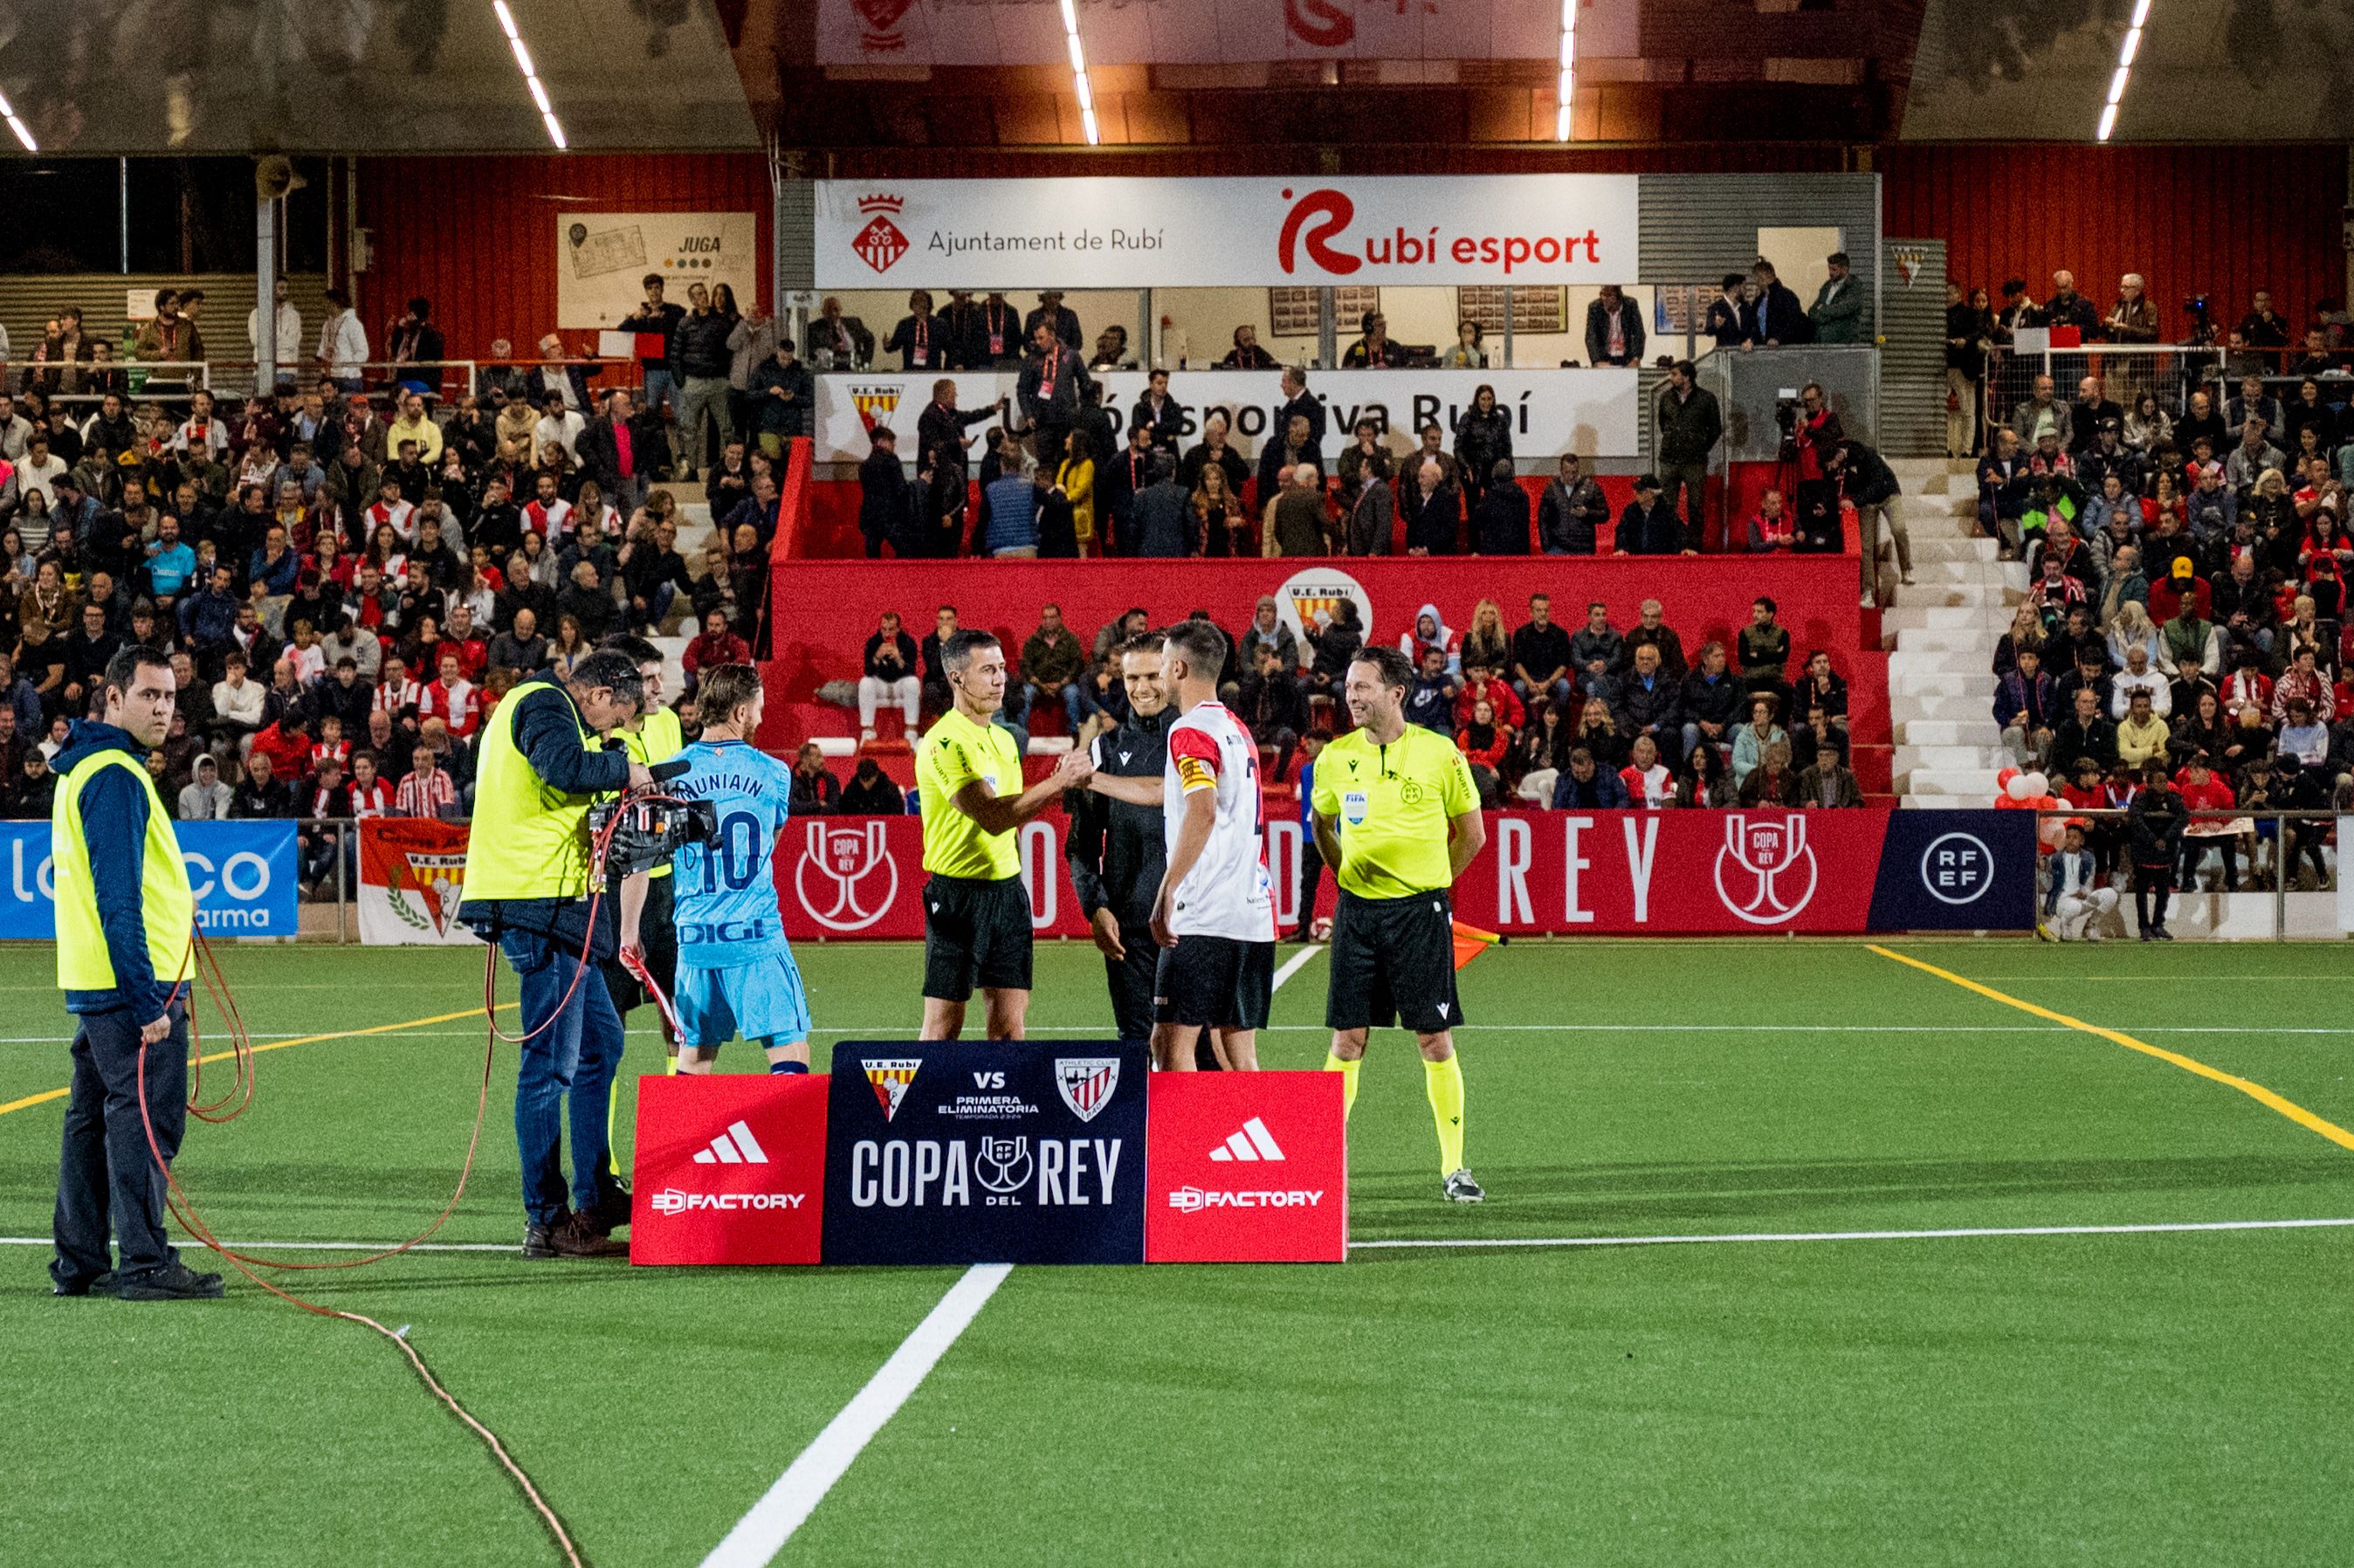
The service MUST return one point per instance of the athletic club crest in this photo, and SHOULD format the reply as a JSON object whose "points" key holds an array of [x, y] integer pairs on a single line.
{"points": [[1087, 1083], [880, 243], [890, 1076], [855, 875], [1778, 864]]}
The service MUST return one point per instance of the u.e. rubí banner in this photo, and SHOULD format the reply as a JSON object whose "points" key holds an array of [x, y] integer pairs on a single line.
{"points": [[1136, 233]]}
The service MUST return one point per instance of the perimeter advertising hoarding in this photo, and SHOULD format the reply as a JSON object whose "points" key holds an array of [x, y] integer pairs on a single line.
{"points": [[1002, 1151]]}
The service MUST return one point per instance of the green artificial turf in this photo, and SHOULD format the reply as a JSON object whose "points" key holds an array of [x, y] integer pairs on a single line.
{"points": [[2091, 1399]]}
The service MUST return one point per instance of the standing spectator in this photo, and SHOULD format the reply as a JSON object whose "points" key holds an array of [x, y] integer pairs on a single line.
{"points": [[623, 451], [1541, 655], [701, 355], [1969, 335], [1219, 517], [921, 342], [2154, 825], [886, 507], [1051, 390], [1500, 523], [1051, 314], [1774, 316], [1648, 525], [1433, 510], [659, 320], [1572, 511], [1009, 507], [1723, 325], [2003, 481], [1613, 329], [1162, 515], [1483, 439], [1689, 424], [1159, 413], [1863, 477], [1837, 314]]}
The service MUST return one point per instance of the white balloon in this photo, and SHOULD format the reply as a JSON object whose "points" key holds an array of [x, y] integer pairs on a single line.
{"points": [[2038, 784], [2017, 788]]}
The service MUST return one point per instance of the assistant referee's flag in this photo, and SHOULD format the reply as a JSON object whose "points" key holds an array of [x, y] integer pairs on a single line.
{"points": [[1471, 942]]}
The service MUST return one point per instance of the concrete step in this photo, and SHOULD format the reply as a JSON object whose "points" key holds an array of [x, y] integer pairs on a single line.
{"points": [[1935, 618], [1959, 547], [673, 669], [1939, 802], [1930, 708], [1973, 569], [1946, 731], [1991, 598], [1939, 503], [1969, 647], [1912, 759], [1963, 685], [1974, 785]]}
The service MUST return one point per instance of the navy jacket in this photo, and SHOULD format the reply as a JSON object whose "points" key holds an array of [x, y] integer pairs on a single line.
{"points": [[1606, 791], [547, 728], [118, 857]]}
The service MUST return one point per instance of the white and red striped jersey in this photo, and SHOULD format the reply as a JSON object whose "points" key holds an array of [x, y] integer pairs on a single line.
{"points": [[453, 706], [1227, 892], [399, 514], [424, 795], [393, 695], [549, 521], [372, 800]]}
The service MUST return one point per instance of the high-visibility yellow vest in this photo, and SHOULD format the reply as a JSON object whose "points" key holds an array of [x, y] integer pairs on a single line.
{"points": [[658, 739], [167, 904], [528, 839]]}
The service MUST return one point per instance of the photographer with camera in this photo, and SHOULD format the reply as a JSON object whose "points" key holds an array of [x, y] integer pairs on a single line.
{"points": [[543, 762]]}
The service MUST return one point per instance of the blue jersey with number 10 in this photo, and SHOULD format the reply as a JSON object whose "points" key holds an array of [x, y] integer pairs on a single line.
{"points": [[726, 894]]}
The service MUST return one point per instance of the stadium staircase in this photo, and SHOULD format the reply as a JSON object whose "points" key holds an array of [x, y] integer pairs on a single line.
{"points": [[694, 532], [1942, 633]]}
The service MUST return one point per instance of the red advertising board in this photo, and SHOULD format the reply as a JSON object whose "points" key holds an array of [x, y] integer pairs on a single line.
{"points": [[730, 1167], [1245, 1167], [1668, 873]]}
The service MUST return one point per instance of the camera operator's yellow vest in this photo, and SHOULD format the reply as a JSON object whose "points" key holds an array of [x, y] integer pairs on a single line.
{"points": [[166, 904], [658, 739], [528, 840]]}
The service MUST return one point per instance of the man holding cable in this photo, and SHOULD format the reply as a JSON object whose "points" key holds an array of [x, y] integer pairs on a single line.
{"points": [[126, 922], [543, 764]]}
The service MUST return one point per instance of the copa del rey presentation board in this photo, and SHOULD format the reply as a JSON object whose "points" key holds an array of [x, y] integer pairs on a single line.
{"points": [[1129, 233]]}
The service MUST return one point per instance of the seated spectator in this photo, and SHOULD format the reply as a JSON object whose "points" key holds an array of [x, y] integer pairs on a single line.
{"points": [[1482, 684], [870, 793], [1649, 526], [1650, 704], [1584, 786], [1103, 696], [1052, 664], [2024, 709], [1771, 782], [450, 697], [2140, 675], [1763, 648], [1649, 783], [1598, 731], [1826, 782], [428, 789], [1333, 644], [261, 796], [2141, 736], [1484, 744], [1268, 699], [1430, 700], [2303, 734], [1541, 655], [889, 675], [1705, 779], [1711, 701], [1754, 739], [816, 792], [718, 645], [1430, 631], [206, 799], [1247, 353], [1650, 629], [1771, 527], [2086, 735]]}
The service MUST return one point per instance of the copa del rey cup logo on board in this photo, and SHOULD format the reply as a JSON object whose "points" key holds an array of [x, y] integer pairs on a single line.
{"points": [[1087, 1083], [880, 243], [1773, 867], [846, 877]]}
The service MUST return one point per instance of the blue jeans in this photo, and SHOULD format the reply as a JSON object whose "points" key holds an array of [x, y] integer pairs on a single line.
{"points": [[1032, 695], [660, 388], [1558, 692], [577, 1055], [657, 605]]}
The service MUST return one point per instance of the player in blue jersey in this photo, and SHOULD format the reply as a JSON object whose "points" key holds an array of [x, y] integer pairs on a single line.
{"points": [[736, 970]]}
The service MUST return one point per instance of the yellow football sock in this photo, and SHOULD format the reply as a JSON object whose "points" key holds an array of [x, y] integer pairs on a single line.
{"points": [[1445, 1081], [1348, 1071]]}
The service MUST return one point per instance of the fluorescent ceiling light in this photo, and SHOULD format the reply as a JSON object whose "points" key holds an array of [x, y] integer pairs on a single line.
{"points": [[1080, 74], [1569, 69], [2126, 50], [531, 81], [24, 132]]}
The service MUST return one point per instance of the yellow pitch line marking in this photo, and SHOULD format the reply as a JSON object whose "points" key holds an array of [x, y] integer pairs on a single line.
{"points": [[2254, 1090], [48, 1095]]}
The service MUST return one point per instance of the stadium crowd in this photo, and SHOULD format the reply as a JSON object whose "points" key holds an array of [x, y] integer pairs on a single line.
{"points": [[2182, 649], [1595, 716]]}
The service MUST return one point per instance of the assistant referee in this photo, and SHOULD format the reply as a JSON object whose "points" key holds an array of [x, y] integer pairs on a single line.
{"points": [[968, 788], [1397, 816]]}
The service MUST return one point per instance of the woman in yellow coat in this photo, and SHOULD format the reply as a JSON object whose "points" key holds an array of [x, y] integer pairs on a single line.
{"points": [[1077, 479]]}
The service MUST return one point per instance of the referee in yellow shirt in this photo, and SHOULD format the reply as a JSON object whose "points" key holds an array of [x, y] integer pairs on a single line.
{"points": [[968, 790], [1398, 818]]}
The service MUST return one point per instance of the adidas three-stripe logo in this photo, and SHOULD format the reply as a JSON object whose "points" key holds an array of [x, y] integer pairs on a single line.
{"points": [[1254, 1142], [736, 1146]]}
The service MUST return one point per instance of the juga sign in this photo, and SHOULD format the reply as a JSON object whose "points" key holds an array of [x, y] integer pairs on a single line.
{"points": [[1124, 233]]}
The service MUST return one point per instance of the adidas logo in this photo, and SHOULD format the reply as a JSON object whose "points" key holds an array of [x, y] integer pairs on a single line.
{"points": [[736, 1146], [1254, 1142]]}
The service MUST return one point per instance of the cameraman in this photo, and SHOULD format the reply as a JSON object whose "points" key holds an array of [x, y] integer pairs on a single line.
{"points": [[527, 889]]}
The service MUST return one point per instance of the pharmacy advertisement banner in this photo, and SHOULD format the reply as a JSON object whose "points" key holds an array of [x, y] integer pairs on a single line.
{"points": [[1122, 232], [246, 877], [602, 259], [1593, 413], [412, 875]]}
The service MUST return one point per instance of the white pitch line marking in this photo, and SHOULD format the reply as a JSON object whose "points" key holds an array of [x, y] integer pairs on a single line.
{"points": [[761, 1534], [1977, 1231]]}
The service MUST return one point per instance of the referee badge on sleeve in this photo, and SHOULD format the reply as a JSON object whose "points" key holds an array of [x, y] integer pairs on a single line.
{"points": [[1353, 808]]}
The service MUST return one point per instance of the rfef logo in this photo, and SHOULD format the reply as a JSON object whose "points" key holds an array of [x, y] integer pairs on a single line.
{"points": [[1958, 868], [880, 243], [1781, 868]]}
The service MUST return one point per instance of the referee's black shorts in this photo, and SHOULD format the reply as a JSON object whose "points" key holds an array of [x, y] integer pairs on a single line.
{"points": [[976, 933], [1393, 964], [1214, 982]]}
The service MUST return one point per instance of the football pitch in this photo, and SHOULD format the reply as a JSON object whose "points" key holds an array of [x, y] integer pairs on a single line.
{"points": [[1794, 1253]]}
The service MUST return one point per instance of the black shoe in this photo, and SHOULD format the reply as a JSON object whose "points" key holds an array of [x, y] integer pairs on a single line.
{"points": [[177, 1282], [97, 1284], [2163, 935], [612, 1212], [539, 1240]]}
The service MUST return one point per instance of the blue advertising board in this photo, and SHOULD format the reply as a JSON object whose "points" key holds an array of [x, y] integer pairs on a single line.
{"points": [[1955, 871], [1003, 1151], [246, 876]]}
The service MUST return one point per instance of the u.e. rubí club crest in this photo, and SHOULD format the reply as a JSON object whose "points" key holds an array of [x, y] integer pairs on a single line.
{"points": [[438, 881], [890, 1076]]}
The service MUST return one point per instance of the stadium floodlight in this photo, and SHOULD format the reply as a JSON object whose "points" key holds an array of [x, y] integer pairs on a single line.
{"points": [[24, 131], [2126, 50], [1079, 73], [539, 89], [1568, 68]]}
